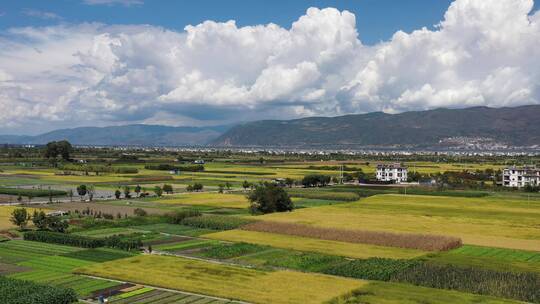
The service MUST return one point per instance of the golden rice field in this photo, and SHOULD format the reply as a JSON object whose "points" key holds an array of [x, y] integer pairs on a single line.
{"points": [[225, 281], [352, 250], [207, 199], [477, 221]]}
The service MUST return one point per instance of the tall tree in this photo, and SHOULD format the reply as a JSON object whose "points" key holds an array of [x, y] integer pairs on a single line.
{"points": [[268, 198], [82, 190], [20, 217], [40, 220]]}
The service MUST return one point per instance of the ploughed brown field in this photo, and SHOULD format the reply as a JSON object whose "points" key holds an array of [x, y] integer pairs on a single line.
{"points": [[402, 240]]}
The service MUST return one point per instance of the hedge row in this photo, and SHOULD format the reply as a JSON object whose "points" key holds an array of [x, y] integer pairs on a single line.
{"points": [[82, 241], [32, 192], [25, 292]]}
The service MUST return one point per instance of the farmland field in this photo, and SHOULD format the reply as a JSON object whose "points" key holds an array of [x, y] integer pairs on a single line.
{"points": [[353, 250], [477, 221], [5, 215], [226, 281], [207, 199], [342, 243]]}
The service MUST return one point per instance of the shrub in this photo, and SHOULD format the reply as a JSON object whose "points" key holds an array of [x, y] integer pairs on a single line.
{"points": [[15, 291], [402, 240], [176, 217], [519, 286], [140, 212], [216, 222]]}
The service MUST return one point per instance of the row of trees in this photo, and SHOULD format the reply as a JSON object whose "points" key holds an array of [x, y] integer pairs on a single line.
{"points": [[20, 217]]}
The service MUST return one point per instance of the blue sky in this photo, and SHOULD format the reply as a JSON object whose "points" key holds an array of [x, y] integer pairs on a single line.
{"points": [[70, 63], [376, 19]]}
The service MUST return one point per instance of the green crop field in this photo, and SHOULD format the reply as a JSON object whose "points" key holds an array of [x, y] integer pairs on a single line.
{"points": [[492, 258]]}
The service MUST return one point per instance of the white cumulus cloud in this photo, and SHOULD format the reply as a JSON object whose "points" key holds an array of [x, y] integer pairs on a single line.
{"points": [[482, 53]]}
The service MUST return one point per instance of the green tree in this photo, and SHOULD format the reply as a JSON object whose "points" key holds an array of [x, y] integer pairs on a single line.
{"points": [[158, 191], [91, 191], [117, 193], [39, 219], [82, 190], [198, 187], [168, 189], [228, 185], [54, 149], [268, 198], [220, 188], [127, 192], [56, 224], [138, 190], [289, 182], [20, 217], [246, 185]]}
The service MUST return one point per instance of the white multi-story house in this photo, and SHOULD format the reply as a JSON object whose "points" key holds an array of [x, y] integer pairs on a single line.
{"points": [[392, 173], [519, 177]]}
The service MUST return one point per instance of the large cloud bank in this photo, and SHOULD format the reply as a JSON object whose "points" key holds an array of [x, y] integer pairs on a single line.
{"points": [[483, 53]]}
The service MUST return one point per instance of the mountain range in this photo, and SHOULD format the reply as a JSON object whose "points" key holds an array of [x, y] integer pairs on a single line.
{"points": [[133, 135], [518, 126]]}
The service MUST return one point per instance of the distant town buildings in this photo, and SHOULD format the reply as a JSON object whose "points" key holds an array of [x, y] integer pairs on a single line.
{"points": [[391, 173], [519, 177]]}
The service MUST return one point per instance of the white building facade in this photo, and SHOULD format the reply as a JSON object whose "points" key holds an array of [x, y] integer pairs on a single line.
{"points": [[519, 177], [391, 173]]}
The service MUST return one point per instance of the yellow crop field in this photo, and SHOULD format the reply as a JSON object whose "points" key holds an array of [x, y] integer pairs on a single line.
{"points": [[352, 250], [477, 221], [207, 199], [5, 215], [226, 281]]}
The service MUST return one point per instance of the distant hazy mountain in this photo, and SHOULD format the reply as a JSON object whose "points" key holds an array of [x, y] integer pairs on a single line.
{"points": [[140, 135], [519, 126]]}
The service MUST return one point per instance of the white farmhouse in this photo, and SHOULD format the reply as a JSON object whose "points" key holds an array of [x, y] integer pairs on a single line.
{"points": [[392, 173], [519, 177]]}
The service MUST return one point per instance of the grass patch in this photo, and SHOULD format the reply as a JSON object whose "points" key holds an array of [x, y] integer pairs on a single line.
{"points": [[174, 229]]}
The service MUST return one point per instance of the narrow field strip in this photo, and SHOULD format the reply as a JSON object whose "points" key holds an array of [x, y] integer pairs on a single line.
{"points": [[352, 250], [402, 240]]}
